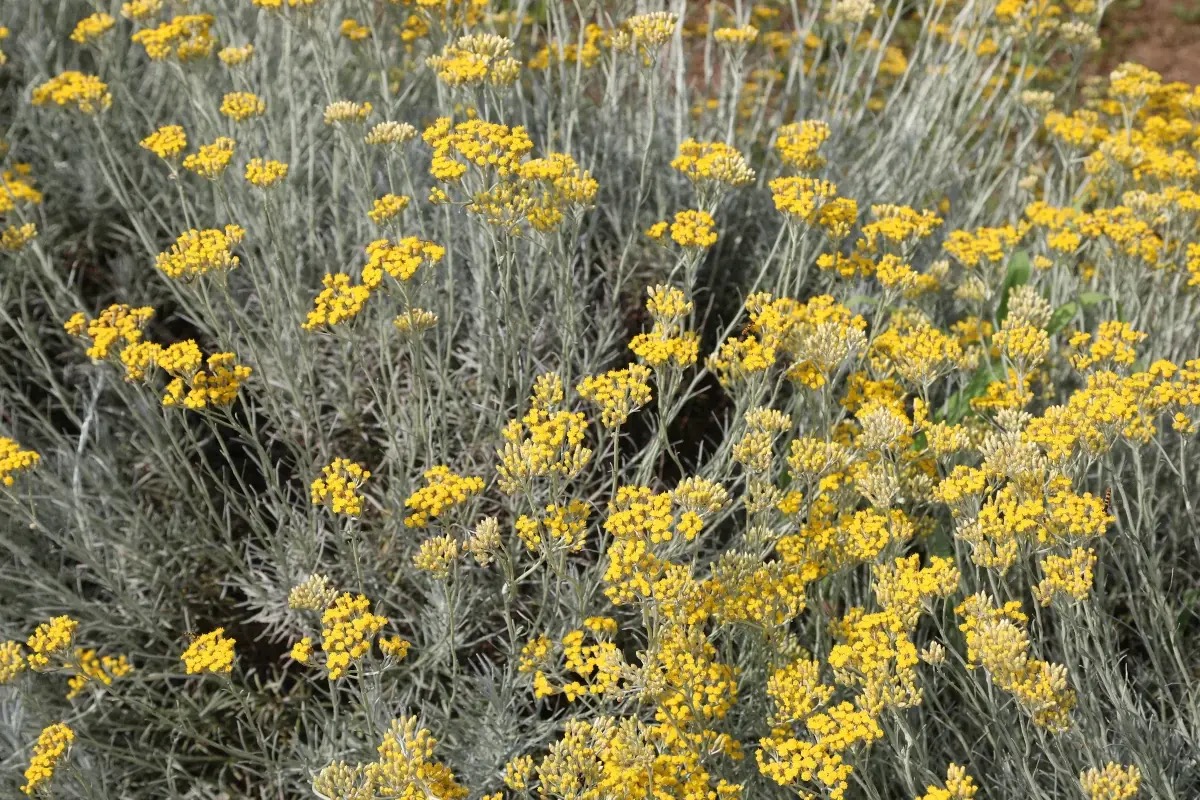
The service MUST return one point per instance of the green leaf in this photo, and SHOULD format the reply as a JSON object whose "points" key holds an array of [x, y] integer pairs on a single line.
{"points": [[1087, 299], [1019, 269], [1062, 316], [960, 403]]}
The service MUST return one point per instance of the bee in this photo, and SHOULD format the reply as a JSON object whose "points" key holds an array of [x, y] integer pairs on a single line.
{"points": [[1108, 501]]}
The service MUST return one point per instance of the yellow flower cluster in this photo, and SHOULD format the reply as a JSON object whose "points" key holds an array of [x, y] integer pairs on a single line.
{"points": [[712, 162], [736, 37], [401, 259], [265, 173], [585, 52], [92, 27], [1112, 345], [803, 198], [118, 325], [476, 59], [394, 647], [92, 668], [487, 145], [646, 33], [559, 527], [140, 9], [959, 786], [1114, 782], [984, 246], [917, 353], [1069, 575], [997, 641], [348, 629], [13, 460], [12, 661], [903, 587], [236, 56], [338, 302], [51, 747], [690, 228], [415, 321], [241, 106], [16, 190], [86, 93], [406, 769], [210, 161], [354, 30], [390, 133], [388, 207], [437, 556], [668, 342], [820, 756], [442, 491], [597, 667], [301, 651], [640, 520], [547, 441], [50, 640], [338, 487], [512, 191], [618, 393], [314, 593], [210, 653], [875, 651], [186, 37], [217, 385], [551, 186], [346, 112], [816, 338], [168, 142], [798, 143], [897, 226], [197, 253]]}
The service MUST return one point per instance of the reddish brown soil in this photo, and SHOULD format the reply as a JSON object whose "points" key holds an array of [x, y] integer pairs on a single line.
{"points": [[1164, 35]]}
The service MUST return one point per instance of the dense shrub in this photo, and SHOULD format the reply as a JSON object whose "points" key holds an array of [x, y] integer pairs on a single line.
{"points": [[454, 398]]}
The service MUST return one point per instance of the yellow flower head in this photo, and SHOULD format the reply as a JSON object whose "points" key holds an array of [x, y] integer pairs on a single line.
{"points": [[217, 385], [475, 59], [338, 302], [210, 653], [442, 491], [338, 487], [51, 747], [196, 253], [348, 629], [13, 460], [241, 106], [86, 93], [186, 37], [265, 173], [342, 112], [712, 162], [617, 393], [388, 207], [211, 159], [51, 640], [92, 27], [236, 56], [168, 142]]}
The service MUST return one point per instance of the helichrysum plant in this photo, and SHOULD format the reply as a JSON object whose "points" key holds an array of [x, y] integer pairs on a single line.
{"points": [[573, 401]]}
